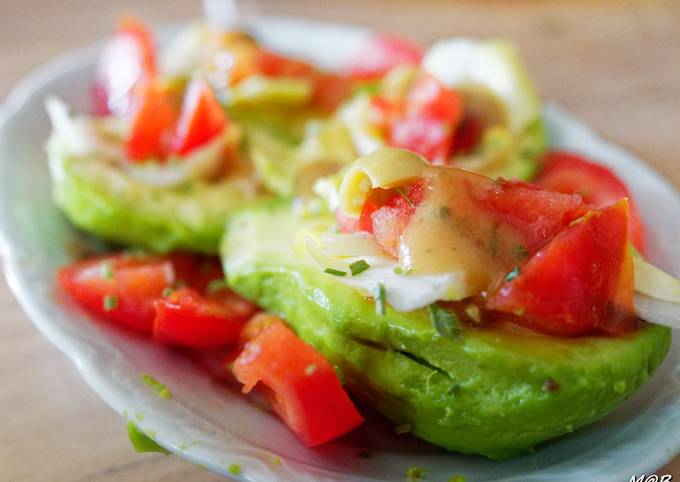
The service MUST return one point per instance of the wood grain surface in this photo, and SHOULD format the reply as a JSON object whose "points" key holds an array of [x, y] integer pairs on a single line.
{"points": [[615, 64]]}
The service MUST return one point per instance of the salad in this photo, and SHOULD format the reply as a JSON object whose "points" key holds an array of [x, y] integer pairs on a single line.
{"points": [[395, 236]]}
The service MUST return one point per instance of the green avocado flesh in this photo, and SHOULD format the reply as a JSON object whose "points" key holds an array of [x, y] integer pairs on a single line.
{"points": [[100, 198], [490, 392]]}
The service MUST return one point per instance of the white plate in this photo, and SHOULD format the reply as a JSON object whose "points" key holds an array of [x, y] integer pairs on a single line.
{"points": [[213, 425]]}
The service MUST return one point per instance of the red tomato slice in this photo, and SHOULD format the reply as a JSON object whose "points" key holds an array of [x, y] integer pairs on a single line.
{"points": [[468, 135], [306, 391], [119, 288], [187, 318], [580, 283], [597, 185], [202, 118], [152, 124], [431, 114], [539, 214], [127, 60], [381, 53]]}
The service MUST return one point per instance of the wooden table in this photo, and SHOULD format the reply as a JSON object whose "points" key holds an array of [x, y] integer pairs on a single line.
{"points": [[614, 64]]}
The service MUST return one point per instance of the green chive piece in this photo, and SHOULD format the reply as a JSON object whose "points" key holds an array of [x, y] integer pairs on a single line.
{"points": [[142, 442], [512, 274], [380, 299], [457, 478], [110, 302], [358, 267], [401, 271], [167, 291], [106, 270], [216, 285], [520, 252], [444, 321], [414, 473], [403, 194], [234, 469], [158, 387], [335, 272]]}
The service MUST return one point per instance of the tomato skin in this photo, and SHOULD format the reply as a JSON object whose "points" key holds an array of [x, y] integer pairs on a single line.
{"points": [[186, 318], [430, 115], [579, 283], [306, 391], [133, 282], [128, 59], [468, 135], [598, 185], [152, 123], [535, 211], [201, 119], [381, 53]]}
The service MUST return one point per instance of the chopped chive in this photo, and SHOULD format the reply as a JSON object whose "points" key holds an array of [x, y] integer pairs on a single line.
{"points": [[234, 469], [380, 299], [141, 441], [158, 387], [492, 242], [414, 473], [335, 272], [444, 321], [167, 291], [106, 270], [358, 267], [403, 194], [512, 274], [401, 271], [110, 302], [216, 285], [520, 252]]}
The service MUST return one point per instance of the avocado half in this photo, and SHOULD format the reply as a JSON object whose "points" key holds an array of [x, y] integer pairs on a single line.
{"points": [[489, 392], [100, 198]]}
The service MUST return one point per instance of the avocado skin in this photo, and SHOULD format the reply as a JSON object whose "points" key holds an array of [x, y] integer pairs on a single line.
{"points": [[490, 393], [100, 199]]}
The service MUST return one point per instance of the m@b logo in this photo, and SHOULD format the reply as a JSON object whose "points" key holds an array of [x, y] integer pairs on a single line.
{"points": [[651, 478]]}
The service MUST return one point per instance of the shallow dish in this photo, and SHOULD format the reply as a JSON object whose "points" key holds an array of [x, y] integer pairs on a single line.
{"points": [[216, 427]]}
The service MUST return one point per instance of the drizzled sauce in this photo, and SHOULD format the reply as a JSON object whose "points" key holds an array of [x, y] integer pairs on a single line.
{"points": [[451, 232]]}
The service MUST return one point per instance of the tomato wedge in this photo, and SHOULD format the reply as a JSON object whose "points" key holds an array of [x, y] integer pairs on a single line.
{"points": [[306, 391], [579, 283], [598, 185], [430, 116], [121, 288], [201, 120], [152, 123], [187, 318], [381, 53], [178, 298], [128, 59]]}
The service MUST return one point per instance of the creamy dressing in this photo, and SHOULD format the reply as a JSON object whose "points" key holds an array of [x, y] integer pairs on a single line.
{"points": [[451, 233]]}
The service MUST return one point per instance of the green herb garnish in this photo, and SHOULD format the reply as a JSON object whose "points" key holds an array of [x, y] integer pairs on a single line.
{"points": [[110, 302], [358, 267], [335, 272], [520, 252], [167, 291], [216, 285], [457, 478], [402, 429], [159, 388], [141, 442], [234, 469], [106, 270], [493, 241], [512, 274], [401, 271], [414, 473], [403, 194], [444, 321], [380, 299]]}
